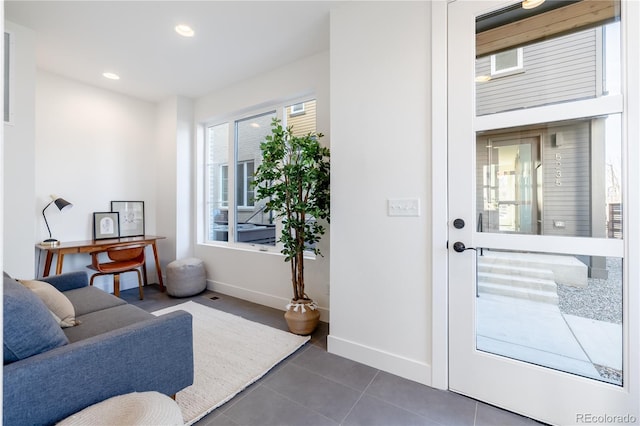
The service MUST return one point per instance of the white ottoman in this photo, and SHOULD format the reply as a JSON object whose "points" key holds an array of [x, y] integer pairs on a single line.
{"points": [[137, 408], [186, 277]]}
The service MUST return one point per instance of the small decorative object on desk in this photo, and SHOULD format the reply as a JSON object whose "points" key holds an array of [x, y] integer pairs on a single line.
{"points": [[106, 225], [131, 217]]}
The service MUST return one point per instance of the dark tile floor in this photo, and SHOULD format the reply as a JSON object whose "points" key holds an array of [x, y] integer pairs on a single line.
{"points": [[314, 387]]}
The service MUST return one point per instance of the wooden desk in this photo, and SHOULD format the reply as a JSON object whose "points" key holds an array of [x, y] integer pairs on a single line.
{"points": [[64, 248]]}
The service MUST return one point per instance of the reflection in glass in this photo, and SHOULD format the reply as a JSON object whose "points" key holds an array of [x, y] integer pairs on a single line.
{"points": [[580, 65], [550, 310], [217, 181], [551, 179], [253, 224]]}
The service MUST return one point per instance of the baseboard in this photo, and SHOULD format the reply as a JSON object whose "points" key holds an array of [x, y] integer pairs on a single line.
{"points": [[257, 297], [385, 361]]}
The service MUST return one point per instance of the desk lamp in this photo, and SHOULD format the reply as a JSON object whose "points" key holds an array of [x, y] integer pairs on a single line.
{"points": [[62, 205]]}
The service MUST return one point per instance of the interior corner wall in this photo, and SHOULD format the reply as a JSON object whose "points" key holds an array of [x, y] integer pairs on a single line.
{"points": [[174, 162], [93, 146], [19, 208], [380, 109]]}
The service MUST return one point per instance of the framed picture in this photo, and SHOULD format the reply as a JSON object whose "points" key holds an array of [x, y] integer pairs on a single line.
{"points": [[105, 225], [131, 217]]}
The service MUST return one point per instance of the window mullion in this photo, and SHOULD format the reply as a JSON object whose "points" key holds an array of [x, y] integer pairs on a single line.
{"points": [[231, 187]]}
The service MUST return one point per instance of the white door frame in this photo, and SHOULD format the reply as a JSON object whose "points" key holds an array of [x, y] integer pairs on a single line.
{"points": [[439, 212], [439, 225]]}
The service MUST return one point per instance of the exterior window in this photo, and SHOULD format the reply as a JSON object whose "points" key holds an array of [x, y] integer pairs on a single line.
{"points": [[224, 185], [507, 62], [232, 153], [244, 190], [297, 108]]}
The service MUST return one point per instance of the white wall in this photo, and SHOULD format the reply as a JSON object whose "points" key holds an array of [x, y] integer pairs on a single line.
{"points": [[174, 160], [92, 146], [380, 278], [20, 208], [257, 276]]}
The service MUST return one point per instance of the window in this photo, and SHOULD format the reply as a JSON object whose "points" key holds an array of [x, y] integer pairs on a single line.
{"points": [[232, 153], [244, 190], [297, 108], [507, 62]]}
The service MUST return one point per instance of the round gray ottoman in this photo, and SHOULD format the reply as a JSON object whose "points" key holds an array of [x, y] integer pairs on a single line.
{"points": [[186, 277]]}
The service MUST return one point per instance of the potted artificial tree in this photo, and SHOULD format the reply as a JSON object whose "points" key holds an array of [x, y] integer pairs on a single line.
{"points": [[293, 181]]}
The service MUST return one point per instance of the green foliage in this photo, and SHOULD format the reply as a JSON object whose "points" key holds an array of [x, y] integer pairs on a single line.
{"points": [[293, 180]]}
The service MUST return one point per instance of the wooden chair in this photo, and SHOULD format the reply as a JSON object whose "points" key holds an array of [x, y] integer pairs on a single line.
{"points": [[127, 258]]}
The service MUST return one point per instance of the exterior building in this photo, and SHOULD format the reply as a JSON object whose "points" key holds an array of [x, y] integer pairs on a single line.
{"points": [[532, 180]]}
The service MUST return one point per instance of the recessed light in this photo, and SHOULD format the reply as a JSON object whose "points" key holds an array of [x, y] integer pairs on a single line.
{"points": [[184, 30], [531, 4], [255, 125], [111, 75]]}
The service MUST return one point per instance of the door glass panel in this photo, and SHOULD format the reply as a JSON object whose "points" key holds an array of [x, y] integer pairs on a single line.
{"points": [[558, 311], [579, 65], [560, 179]]}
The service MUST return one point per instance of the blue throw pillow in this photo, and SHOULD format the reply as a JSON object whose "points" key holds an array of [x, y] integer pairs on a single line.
{"points": [[29, 328]]}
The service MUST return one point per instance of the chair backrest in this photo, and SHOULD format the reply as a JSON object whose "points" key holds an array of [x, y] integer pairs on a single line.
{"points": [[129, 256], [118, 254]]}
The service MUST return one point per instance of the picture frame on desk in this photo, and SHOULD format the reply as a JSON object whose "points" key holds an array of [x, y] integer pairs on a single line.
{"points": [[106, 225], [131, 217]]}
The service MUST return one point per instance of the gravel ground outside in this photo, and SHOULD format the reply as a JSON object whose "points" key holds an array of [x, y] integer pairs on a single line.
{"points": [[601, 300]]}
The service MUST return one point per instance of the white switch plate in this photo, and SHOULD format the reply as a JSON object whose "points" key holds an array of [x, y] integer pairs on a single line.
{"points": [[403, 207]]}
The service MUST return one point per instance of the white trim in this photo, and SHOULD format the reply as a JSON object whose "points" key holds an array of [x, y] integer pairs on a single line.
{"points": [[550, 244], [260, 298], [386, 361], [439, 213], [630, 33], [550, 113]]}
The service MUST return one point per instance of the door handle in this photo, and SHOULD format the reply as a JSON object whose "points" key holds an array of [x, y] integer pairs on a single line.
{"points": [[459, 247]]}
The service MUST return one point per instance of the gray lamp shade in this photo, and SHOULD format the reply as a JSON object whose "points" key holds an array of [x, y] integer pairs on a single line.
{"points": [[62, 205]]}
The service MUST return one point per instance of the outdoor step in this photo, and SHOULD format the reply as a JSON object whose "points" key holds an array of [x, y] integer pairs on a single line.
{"points": [[567, 270], [517, 292], [518, 281], [508, 269]]}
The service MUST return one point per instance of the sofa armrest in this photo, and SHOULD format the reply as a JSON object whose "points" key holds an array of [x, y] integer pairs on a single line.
{"points": [[152, 355], [68, 281]]}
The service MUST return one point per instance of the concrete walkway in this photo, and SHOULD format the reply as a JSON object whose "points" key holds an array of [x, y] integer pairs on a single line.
{"points": [[540, 334]]}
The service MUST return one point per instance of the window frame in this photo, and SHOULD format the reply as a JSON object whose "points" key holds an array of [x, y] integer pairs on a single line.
{"points": [[517, 69], [207, 212]]}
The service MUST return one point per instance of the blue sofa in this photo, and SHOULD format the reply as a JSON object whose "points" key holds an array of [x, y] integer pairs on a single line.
{"points": [[52, 372]]}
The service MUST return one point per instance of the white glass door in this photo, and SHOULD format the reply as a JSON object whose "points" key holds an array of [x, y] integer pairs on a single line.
{"points": [[543, 286]]}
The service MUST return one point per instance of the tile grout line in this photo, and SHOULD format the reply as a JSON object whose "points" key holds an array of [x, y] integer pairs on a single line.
{"points": [[360, 397], [296, 402]]}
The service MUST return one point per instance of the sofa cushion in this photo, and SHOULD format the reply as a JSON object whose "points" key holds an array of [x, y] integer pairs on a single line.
{"points": [[28, 326], [59, 305], [91, 299], [103, 321]]}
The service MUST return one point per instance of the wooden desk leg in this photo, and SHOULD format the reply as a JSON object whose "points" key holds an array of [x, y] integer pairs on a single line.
{"points": [[158, 269], [47, 263], [59, 263]]}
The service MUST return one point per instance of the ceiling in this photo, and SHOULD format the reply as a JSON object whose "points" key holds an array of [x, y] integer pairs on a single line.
{"points": [[234, 40]]}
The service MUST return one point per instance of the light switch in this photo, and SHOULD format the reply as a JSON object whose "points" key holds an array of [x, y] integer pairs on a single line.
{"points": [[403, 207]]}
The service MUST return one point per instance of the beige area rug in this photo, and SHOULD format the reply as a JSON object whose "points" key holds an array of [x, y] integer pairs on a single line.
{"points": [[230, 353]]}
